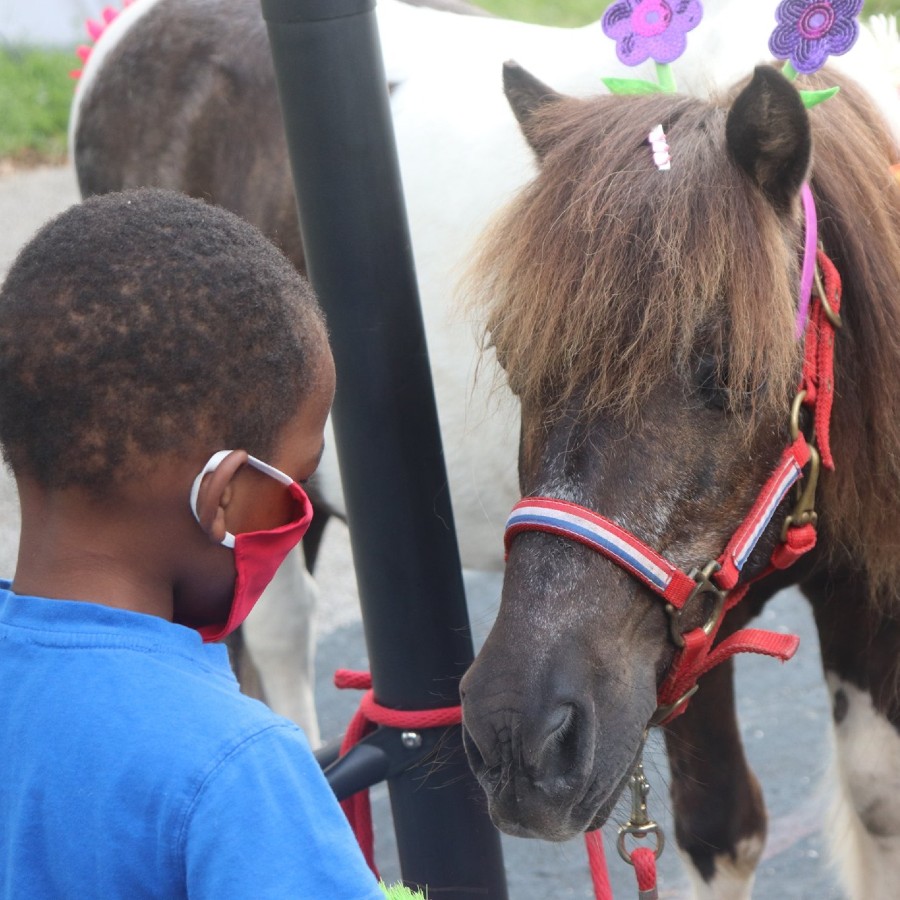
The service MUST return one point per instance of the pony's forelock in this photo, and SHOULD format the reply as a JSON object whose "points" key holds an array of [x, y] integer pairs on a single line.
{"points": [[608, 276]]}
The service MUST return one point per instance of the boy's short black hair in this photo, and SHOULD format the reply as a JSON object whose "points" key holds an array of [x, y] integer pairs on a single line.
{"points": [[146, 324]]}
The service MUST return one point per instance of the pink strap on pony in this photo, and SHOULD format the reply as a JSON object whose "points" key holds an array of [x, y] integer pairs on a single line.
{"points": [[809, 258]]}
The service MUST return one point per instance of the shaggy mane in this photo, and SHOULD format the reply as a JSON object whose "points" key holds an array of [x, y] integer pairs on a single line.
{"points": [[606, 278]]}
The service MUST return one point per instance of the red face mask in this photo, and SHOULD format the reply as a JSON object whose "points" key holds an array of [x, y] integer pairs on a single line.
{"points": [[257, 554]]}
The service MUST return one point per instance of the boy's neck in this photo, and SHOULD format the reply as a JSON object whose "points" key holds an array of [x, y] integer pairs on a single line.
{"points": [[75, 548]]}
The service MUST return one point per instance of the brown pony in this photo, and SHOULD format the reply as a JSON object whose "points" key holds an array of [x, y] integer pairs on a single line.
{"points": [[645, 319]]}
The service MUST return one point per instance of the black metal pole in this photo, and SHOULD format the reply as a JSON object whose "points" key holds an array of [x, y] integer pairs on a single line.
{"points": [[334, 100]]}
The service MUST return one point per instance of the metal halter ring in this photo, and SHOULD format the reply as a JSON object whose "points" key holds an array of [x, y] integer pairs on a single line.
{"points": [[640, 832], [665, 712], [705, 585], [796, 406]]}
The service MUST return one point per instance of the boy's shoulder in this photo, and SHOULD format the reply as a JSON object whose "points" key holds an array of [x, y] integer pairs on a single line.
{"points": [[149, 679], [146, 745]]}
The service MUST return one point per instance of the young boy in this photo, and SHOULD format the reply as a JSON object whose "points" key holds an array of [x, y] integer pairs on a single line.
{"points": [[153, 350]]}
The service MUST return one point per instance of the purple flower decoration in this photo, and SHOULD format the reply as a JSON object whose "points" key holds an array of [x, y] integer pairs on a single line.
{"points": [[809, 31], [651, 28]]}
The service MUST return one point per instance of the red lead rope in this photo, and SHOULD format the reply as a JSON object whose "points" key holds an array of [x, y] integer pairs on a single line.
{"points": [[593, 840]]}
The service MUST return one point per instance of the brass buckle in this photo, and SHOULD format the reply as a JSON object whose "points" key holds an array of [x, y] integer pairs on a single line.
{"points": [[804, 511], [705, 585]]}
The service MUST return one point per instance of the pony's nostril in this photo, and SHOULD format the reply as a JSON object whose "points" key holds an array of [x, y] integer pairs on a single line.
{"points": [[562, 722], [559, 756]]}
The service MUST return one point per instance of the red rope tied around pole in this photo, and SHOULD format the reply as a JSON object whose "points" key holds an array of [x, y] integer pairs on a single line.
{"points": [[371, 714], [368, 716]]}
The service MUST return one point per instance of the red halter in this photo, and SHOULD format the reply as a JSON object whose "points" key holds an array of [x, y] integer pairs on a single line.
{"points": [[720, 577]]}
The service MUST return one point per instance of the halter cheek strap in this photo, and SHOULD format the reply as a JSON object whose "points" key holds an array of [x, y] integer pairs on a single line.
{"points": [[721, 577]]}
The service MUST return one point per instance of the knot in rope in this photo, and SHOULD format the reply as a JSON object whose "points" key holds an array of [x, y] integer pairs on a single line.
{"points": [[369, 715]]}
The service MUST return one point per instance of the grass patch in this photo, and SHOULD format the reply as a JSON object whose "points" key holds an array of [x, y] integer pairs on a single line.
{"points": [[35, 93], [871, 7], [548, 12]]}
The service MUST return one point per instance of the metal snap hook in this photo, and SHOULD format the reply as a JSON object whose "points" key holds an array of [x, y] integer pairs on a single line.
{"points": [[639, 825], [804, 511]]}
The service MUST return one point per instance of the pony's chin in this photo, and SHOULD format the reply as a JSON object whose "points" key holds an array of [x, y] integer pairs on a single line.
{"points": [[516, 829], [556, 826]]}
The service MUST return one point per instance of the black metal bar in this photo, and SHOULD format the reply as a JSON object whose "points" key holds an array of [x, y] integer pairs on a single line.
{"points": [[360, 768], [334, 99], [379, 756]]}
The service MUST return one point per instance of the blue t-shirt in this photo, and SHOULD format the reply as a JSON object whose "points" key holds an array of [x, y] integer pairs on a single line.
{"points": [[132, 767]]}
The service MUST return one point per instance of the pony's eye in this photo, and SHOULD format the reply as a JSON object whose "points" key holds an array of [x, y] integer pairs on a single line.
{"points": [[711, 382]]}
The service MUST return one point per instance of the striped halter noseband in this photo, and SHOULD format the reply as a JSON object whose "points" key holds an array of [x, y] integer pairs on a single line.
{"points": [[817, 319]]}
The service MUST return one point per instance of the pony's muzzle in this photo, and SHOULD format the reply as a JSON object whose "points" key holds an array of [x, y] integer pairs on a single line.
{"points": [[535, 766]]}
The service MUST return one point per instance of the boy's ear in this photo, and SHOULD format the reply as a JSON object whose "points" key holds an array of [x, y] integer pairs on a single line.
{"points": [[215, 494]]}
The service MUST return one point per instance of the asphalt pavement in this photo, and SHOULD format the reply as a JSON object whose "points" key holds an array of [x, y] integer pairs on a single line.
{"points": [[784, 710]]}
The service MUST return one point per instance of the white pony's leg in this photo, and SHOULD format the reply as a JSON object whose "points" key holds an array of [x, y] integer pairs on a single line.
{"points": [[733, 877], [280, 637], [864, 821]]}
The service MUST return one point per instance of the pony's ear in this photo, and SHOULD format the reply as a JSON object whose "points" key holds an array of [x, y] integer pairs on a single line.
{"points": [[526, 94], [768, 135]]}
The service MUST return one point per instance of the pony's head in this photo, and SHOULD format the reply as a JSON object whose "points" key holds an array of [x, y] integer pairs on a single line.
{"points": [[646, 321]]}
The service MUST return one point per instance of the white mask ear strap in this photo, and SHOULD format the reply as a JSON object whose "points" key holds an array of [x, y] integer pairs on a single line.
{"points": [[213, 463], [266, 469]]}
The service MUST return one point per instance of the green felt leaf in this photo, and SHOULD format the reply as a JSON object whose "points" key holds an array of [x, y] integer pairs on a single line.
{"points": [[814, 98], [631, 86]]}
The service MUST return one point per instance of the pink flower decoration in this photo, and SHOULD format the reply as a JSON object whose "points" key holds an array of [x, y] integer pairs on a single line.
{"points": [[655, 29]]}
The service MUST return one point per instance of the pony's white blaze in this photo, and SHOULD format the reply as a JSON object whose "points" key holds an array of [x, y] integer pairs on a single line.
{"points": [[733, 878], [107, 41], [864, 820]]}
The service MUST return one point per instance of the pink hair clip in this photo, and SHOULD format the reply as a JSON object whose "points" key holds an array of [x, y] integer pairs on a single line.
{"points": [[660, 147]]}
